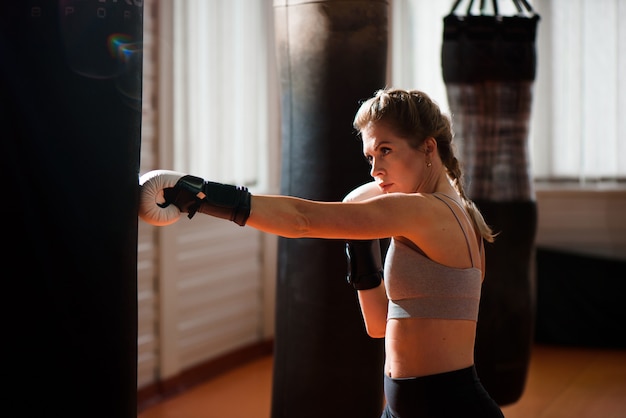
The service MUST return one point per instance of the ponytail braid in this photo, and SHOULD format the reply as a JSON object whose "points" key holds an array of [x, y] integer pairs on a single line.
{"points": [[454, 171]]}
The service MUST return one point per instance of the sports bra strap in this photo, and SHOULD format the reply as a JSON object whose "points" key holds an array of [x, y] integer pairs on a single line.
{"points": [[463, 228]]}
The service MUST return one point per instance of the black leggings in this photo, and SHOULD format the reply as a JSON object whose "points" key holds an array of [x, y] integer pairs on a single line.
{"points": [[456, 394]]}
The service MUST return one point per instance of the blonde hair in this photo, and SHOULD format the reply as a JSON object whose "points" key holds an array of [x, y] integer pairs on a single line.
{"points": [[413, 115]]}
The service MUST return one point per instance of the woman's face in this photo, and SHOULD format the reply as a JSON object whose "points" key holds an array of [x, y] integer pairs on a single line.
{"points": [[395, 165]]}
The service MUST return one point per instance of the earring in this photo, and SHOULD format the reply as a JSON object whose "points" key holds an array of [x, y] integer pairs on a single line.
{"points": [[428, 162]]}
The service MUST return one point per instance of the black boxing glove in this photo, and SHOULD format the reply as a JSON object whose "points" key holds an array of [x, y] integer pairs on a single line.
{"points": [[193, 194], [364, 256], [162, 189], [364, 264]]}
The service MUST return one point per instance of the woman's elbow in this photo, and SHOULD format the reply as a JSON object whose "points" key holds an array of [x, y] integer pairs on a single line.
{"points": [[375, 331]]}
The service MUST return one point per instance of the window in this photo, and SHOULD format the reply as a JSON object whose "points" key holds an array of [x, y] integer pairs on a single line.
{"points": [[222, 53], [581, 91]]}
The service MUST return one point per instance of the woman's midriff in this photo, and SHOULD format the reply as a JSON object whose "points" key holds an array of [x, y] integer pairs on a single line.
{"points": [[419, 347]]}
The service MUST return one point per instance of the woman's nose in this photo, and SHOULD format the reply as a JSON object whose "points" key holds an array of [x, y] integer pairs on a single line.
{"points": [[375, 168]]}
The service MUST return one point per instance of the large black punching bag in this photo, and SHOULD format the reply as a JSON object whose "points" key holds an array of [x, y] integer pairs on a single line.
{"points": [[331, 55], [489, 67], [70, 118]]}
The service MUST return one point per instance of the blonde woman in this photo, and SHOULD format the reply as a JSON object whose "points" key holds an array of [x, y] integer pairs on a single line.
{"points": [[426, 307]]}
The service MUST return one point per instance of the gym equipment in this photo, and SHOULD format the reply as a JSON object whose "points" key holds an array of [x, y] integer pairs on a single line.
{"points": [[165, 194], [331, 55], [70, 117], [488, 64]]}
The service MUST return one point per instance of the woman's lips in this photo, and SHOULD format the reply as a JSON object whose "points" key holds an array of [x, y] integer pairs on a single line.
{"points": [[384, 186]]}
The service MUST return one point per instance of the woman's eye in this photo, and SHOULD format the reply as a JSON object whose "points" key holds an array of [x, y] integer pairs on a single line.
{"points": [[385, 151], [369, 159]]}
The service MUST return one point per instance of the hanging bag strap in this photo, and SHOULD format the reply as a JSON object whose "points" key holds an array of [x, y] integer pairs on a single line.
{"points": [[520, 5]]}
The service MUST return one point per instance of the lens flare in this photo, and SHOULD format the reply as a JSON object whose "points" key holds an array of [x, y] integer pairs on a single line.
{"points": [[117, 43]]}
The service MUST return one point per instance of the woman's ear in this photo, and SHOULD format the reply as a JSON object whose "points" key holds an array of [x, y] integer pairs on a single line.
{"points": [[430, 145]]}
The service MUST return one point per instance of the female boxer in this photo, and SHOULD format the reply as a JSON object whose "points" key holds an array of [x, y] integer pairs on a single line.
{"points": [[426, 307]]}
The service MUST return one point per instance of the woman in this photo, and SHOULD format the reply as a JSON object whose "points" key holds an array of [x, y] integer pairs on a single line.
{"points": [[427, 306]]}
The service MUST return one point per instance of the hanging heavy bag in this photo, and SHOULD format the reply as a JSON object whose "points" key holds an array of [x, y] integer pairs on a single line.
{"points": [[70, 111], [488, 64], [330, 54]]}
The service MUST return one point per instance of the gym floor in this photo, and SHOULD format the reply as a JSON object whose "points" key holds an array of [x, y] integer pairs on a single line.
{"points": [[562, 382]]}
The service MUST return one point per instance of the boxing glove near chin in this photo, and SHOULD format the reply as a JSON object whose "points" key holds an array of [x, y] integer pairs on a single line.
{"points": [[165, 194], [364, 264], [364, 256]]}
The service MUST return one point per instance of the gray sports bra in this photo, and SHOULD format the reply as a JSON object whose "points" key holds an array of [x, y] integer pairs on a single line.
{"points": [[418, 287]]}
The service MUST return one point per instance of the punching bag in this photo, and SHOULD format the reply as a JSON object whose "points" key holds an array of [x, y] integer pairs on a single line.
{"points": [[488, 64], [70, 118], [331, 55]]}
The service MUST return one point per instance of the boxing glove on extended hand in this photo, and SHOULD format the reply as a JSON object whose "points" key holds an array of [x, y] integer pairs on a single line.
{"points": [[165, 194], [364, 256]]}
